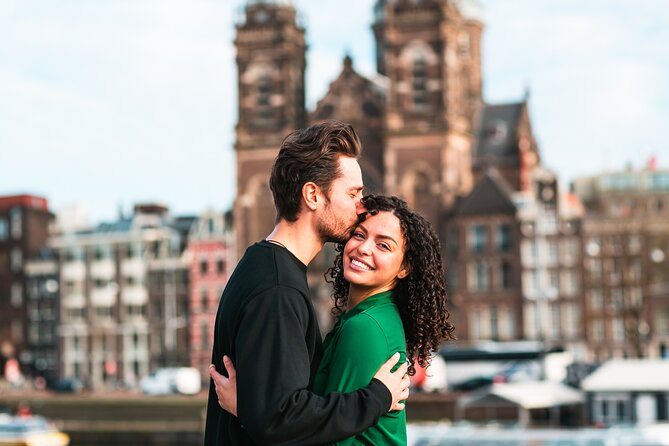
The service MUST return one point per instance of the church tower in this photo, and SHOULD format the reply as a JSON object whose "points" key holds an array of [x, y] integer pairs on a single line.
{"points": [[430, 52], [271, 65]]}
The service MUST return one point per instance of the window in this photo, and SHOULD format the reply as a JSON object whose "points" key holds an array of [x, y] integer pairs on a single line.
{"points": [[661, 322], [552, 252], [511, 323], [478, 276], [616, 302], [4, 229], [453, 242], [618, 330], [419, 82], [74, 314], [16, 224], [494, 322], [476, 321], [74, 255], [203, 266], [157, 310], [17, 294], [204, 298], [477, 238], [594, 267], [596, 300], [262, 90], [554, 280], [16, 259], [503, 238], [611, 408], [103, 313], [17, 331], [569, 250], [555, 320], [135, 311], [597, 330], [204, 335], [505, 275], [572, 320], [134, 250], [103, 252], [220, 266], [452, 277]]}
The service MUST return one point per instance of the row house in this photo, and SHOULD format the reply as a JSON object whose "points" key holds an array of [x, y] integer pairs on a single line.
{"points": [[42, 314], [211, 257], [483, 263], [551, 264], [514, 263], [625, 249], [126, 296], [24, 227]]}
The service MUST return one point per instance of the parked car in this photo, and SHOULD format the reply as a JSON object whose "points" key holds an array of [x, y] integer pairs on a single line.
{"points": [[65, 385], [170, 380], [513, 371]]}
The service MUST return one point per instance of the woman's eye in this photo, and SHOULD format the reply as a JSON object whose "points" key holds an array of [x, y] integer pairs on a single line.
{"points": [[384, 246], [358, 235]]}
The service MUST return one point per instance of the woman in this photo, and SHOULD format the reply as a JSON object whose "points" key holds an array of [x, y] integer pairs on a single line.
{"points": [[389, 296]]}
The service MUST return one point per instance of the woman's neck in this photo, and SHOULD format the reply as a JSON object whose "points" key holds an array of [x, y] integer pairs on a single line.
{"points": [[356, 295]]}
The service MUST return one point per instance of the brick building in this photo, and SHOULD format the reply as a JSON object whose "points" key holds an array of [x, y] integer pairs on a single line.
{"points": [[24, 226]]}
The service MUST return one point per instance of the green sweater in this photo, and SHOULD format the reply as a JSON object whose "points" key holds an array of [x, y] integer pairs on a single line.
{"points": [[360, 342]]}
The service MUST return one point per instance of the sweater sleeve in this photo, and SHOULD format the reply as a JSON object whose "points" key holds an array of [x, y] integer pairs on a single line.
{"points": [[361, 349], [273, 371]]}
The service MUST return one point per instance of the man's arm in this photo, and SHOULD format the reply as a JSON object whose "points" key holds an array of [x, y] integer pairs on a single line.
{"points": [[273, 372], [226, 386]]}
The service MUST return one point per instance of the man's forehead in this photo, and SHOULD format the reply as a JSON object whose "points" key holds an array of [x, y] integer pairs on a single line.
{"points": [[351, 174]]}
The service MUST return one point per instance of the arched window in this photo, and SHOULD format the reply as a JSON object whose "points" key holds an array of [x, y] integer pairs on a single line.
{"points": [[419, 81], [263, 93]]}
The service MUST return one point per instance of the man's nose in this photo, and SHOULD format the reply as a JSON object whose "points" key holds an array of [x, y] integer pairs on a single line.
{"points": [[360, 208]]}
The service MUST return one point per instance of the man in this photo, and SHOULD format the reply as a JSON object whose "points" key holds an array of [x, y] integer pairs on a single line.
{"points": [[266, 322]]}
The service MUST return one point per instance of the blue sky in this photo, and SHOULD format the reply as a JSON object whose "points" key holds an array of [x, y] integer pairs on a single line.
{"points": [[112, 102]]}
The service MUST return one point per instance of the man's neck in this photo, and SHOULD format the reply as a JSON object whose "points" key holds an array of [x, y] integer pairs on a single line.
{"points": [[299, 238]]}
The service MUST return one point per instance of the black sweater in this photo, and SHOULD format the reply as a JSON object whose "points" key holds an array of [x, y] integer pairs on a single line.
{"points": [[267, 325]]}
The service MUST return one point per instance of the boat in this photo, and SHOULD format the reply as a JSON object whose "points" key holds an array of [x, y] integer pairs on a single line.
{"points": [[30, 431]]}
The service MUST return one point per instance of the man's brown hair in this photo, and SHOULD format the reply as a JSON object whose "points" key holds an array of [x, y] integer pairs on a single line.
{"points": [[309, 155]]}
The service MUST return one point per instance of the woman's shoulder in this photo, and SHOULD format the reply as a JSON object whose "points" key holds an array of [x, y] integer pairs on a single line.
{"points": [[380, 320]]}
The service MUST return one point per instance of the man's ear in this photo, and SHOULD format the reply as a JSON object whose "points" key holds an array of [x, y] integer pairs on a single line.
{"points": [[311, 195]]}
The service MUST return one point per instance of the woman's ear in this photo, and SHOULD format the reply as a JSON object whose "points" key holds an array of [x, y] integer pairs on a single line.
{"points": [[404, 272], [311, 195]]}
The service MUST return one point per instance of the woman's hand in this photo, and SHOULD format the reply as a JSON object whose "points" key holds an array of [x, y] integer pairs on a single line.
{"points": [[226, 388]]}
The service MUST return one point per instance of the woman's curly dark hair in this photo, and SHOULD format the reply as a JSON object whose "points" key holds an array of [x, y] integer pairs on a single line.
{"points": [[421, 296]]}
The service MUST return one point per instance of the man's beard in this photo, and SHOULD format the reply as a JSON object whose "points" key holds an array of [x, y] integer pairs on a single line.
{"points": [[332, 229]]}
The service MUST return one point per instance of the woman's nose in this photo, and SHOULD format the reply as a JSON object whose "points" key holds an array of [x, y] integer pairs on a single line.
{"points": [[364, 247]]}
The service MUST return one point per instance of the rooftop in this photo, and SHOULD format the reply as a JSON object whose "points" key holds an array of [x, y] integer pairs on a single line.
{"points": [[629, 375]]}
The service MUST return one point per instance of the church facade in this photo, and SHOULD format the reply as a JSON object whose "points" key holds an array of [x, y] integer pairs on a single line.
{"points": [[427, 134]]}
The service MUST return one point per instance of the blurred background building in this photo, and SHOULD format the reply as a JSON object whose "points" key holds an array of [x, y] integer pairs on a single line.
{"points": [[582, 272]]}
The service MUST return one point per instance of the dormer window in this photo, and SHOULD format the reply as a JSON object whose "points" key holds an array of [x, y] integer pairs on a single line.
{"points": [[496, 132]]}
